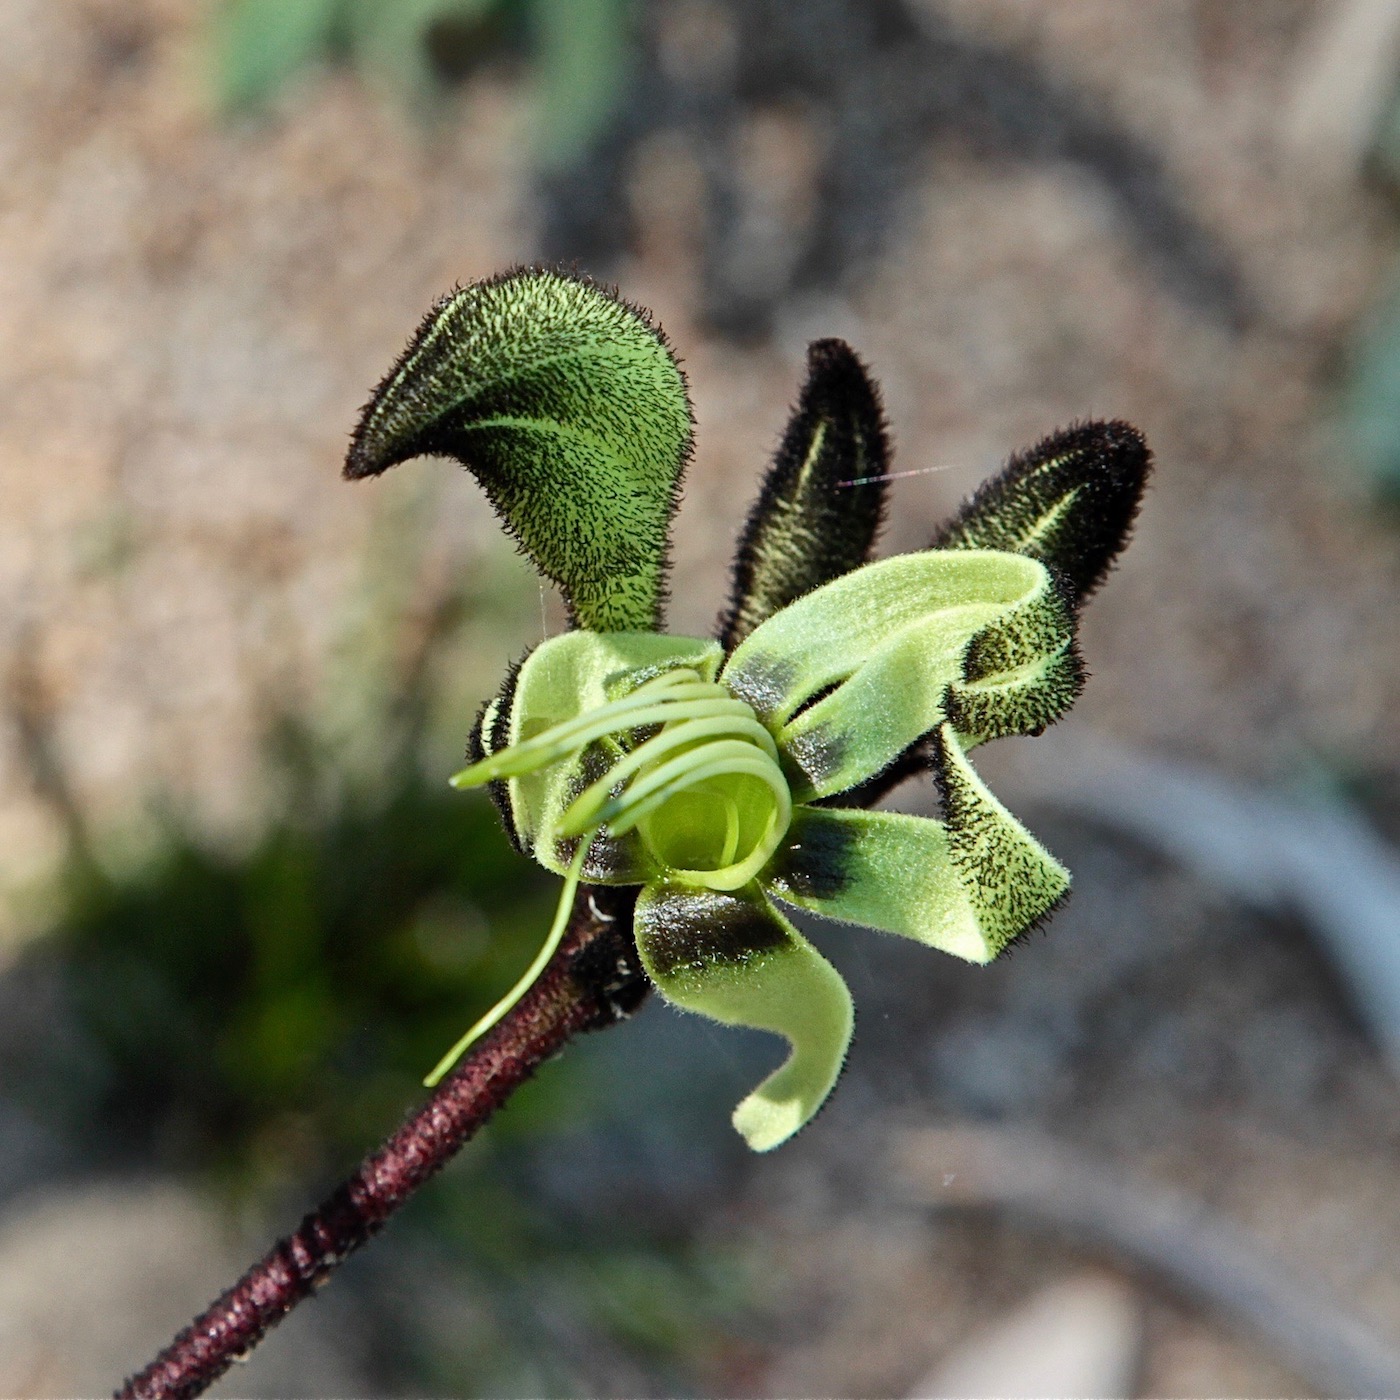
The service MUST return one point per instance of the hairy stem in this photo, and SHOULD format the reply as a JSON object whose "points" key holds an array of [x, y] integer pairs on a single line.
{"points": [[592, 982]]}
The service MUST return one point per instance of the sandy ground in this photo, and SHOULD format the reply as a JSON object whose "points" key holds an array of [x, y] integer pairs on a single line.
{"points": [[195, 311]]}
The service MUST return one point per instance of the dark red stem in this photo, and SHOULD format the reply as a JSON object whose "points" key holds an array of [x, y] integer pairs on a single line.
{"points": [[593, 981]]}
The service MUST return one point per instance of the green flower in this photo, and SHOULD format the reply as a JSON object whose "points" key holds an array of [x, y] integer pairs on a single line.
{"points": [[727, 777]]}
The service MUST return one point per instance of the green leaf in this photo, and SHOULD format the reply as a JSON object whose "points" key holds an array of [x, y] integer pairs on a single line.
{"points": [[259, 44], [1069, 501], [851, 675], [893, 872], [583, 59], [810, 524], [567, 405], [736, 959]]}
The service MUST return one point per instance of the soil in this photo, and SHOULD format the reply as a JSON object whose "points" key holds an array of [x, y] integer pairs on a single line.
{"points": [[197, 307]]}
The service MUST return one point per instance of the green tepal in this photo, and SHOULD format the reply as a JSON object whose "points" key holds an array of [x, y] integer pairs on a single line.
{"points": [[568, 406]]}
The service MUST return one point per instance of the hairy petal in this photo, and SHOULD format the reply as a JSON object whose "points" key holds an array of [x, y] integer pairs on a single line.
{"points": [[1012, 881], [810, 524], [897, 873], [1070, 501], [888, 703], [822, 639], [1020, 672], [734, 958], [568, 406], [851, 675], [488, 735]]}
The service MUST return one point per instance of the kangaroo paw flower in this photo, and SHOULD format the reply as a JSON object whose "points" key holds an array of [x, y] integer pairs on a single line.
{"points": [[711, 774]]}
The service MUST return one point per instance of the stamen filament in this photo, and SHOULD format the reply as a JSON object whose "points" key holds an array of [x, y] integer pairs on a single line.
{"points": [[721, 758], [527, 979], [731, 832], [547, 748], [630, 712], [583, 811], [703, 734]]}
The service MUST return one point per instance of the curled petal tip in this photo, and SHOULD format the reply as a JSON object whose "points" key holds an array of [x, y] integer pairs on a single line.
{"points": [[733, 957], [1070, 501], [519, 378]]}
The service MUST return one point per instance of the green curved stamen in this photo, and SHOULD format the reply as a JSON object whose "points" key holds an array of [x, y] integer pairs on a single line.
{"points": [[719, 759], [528, 978], [709, 748], [592, 806], [652, 703]]}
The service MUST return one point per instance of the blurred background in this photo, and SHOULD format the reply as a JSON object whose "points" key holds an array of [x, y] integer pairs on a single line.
{"points": [[243, 914]]}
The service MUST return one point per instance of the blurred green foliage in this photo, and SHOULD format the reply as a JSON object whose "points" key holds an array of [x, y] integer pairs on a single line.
{"points": [[264, 1010], [273, 1011], [660, 1305], [260, 1014], [1371, 398], [580, 54], [265, 1017], [261, 44]]}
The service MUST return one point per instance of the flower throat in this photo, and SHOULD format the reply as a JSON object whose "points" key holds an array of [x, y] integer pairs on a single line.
{"points": [[703, 790]]}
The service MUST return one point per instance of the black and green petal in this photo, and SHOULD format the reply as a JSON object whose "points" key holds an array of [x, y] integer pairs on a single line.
{"points": [[1015, 882], [489, 735], [850, 676], [967, 885], [731, 956], [1070, 501], [568, 406], [821, 504], [1020, 672]]}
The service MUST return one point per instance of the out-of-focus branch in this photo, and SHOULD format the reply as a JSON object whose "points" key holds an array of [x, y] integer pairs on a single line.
{"points": [[1315, 856], [1167, 1238], [593, 981]]}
